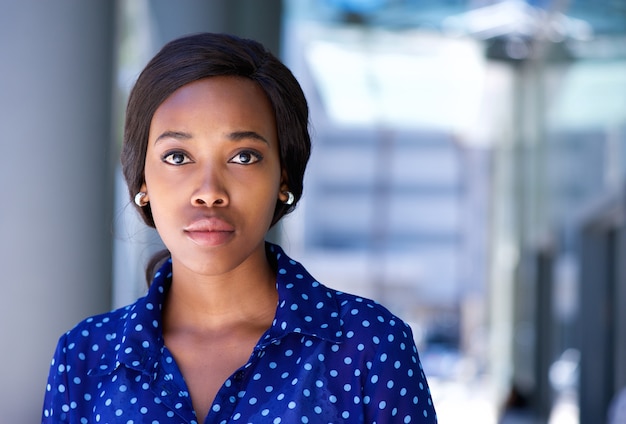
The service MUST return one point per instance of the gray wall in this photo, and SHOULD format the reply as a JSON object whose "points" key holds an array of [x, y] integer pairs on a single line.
{"points": [[55, 190]]}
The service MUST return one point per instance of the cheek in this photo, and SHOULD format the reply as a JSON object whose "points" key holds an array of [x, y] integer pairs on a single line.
{"points": [[261, 197], [148, 172], [163, 194], [159, 180], [253, 196]]}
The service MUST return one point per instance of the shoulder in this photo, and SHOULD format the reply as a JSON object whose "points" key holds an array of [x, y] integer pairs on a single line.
{"points": [[365, 321], [93, 339], [325, 308], [351, 308], [99, 326], [366, 313]]}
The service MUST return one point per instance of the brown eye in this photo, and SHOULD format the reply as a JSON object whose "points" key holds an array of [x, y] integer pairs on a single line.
{"points": [[176, 158], [246, 157]]}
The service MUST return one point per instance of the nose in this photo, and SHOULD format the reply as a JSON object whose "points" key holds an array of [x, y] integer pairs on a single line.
{"points": [[210, 189]]}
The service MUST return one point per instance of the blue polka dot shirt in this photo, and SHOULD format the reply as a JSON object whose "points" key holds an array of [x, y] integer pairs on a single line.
{"points": [[328, 357]]}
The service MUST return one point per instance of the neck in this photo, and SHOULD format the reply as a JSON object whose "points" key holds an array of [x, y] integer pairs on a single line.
{"points": [[203, 303]]}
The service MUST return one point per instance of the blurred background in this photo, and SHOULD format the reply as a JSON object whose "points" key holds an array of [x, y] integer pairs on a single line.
{"points": [[468, 172]]}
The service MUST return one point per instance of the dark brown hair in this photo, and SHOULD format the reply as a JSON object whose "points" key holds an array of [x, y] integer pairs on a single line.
{"points": [[204, 55]]}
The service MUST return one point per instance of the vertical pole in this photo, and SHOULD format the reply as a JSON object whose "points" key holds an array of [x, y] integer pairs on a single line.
{"points": [[55, 191]]}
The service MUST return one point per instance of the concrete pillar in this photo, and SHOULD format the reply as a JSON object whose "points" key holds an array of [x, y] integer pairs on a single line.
{"points": [[55, 185]]}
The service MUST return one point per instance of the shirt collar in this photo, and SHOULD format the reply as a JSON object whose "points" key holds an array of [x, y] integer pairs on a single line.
{"points": [[305, 306]]}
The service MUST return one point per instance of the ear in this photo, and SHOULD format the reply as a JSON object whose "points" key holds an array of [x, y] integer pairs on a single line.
{"points": [[144, 188], [283, 187], [282, 196]]}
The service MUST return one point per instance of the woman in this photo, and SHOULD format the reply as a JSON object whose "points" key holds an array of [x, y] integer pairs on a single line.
{"points": [[231, 330]]}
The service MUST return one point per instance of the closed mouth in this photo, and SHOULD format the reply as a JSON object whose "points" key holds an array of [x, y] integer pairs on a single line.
{"points": [[209, 231]]}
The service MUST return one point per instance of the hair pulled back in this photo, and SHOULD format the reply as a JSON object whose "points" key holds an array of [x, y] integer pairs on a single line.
{"points": [[194, 57]]}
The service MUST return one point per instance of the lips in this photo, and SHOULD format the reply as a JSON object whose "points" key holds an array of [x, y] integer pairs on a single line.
{"points": [[209, 231]]}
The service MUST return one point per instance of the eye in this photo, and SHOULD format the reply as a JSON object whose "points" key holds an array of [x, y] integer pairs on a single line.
{"points": [[246, 157], [176, 158]]}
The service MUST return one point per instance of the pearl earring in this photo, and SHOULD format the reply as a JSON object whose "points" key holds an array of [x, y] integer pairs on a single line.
{"points": [[290, 198], [139, 199]]}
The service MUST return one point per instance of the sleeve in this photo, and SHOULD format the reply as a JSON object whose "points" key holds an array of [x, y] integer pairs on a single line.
{"points": [[396, 389], [56, 403]]}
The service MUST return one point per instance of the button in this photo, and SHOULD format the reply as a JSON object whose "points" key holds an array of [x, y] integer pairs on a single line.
{"points": [[238, 376]]}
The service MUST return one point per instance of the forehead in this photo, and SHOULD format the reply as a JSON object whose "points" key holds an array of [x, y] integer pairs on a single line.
{"points": [[227, 100]]}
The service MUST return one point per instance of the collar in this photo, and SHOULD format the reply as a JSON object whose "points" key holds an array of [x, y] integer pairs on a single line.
{"points": [[305, 306]]}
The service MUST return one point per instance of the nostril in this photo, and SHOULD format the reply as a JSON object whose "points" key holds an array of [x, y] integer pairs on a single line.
{"points": [[201, 202]]}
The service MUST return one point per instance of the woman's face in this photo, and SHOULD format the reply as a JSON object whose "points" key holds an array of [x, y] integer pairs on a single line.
{"points": [[213, 174]]}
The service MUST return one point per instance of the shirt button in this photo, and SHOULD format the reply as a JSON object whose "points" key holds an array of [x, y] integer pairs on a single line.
{"points": [[238, 376]]}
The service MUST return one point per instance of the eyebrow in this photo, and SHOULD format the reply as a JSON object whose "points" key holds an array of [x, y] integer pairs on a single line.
{"points": [[242, 135], [173, 134], [234, 136]]}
